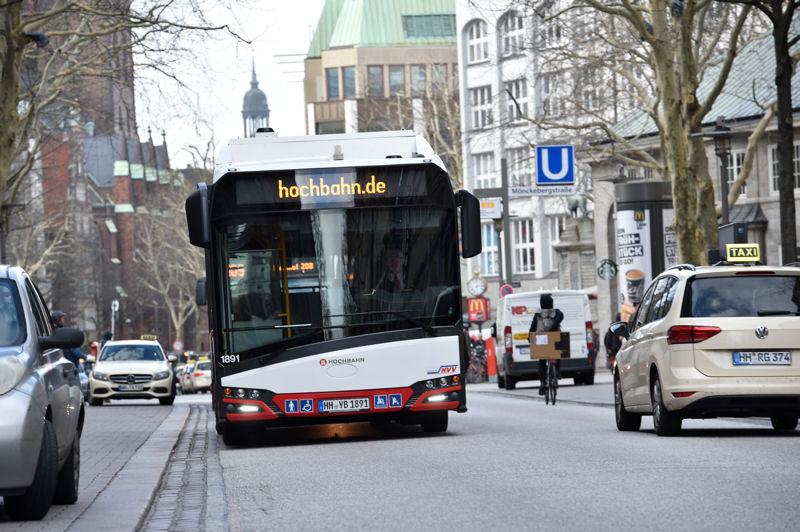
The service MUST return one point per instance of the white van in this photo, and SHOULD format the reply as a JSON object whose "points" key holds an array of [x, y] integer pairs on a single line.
{"points": [[514, 315]]}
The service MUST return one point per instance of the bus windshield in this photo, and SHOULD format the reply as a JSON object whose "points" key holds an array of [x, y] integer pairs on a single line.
{"points": [[324, 274]]}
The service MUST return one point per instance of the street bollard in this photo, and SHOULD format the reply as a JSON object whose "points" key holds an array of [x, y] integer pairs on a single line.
{"points": [[491, 361]]}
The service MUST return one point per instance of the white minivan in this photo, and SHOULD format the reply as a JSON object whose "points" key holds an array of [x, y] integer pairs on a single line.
{"points": [[514, 315]]}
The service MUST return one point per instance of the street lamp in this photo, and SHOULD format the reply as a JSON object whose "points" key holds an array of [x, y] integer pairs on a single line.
{"points": [[722, 148]]}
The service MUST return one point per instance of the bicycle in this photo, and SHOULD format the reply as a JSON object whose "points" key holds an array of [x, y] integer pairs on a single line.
{"points": [[550, 382]]}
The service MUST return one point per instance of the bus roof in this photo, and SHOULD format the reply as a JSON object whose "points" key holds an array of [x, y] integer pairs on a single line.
{"points": [[267, 151]]}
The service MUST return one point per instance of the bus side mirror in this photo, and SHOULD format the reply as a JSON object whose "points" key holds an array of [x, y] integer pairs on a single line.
{"points": [[200, 292], [197, 217], [470, 224]]}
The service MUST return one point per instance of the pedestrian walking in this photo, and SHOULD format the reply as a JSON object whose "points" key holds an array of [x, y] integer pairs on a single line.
{"points": [[613, 343], [73, 354]]}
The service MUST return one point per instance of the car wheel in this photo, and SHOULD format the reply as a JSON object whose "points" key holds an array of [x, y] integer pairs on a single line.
{"points": [[501, 380], [434, 422], [511, 383], [626, 421], [70, 475], [95, 402], [784, 423], [233, 435], [665, 422], [166, 401], [588, 379], [35, 502]]}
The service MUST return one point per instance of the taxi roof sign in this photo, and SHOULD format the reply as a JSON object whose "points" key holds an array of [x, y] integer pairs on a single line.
{"points": [[742, 253], [150, 337]]}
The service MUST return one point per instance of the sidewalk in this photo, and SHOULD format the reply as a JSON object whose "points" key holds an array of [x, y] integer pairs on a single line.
{"points": [[124, 449], [601, 393]]}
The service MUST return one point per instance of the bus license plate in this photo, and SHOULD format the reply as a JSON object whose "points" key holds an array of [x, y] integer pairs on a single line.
{"points": [[762, 358], [131, 387], [344, 405]]}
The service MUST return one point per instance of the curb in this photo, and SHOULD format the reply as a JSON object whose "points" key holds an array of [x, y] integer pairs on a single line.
{"points": [[124, 503]]}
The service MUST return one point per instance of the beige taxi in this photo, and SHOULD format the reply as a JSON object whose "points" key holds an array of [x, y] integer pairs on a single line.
{"points": [[711, 342]]}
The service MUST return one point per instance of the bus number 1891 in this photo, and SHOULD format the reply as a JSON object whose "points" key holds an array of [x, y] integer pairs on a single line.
{"points": [[229, 359]]}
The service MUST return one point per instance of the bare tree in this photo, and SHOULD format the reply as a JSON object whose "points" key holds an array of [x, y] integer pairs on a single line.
{"points": [[167, 265], [52, 51], [642, 64]]}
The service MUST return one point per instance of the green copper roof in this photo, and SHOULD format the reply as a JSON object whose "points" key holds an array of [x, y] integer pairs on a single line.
{"points": [[325, 27], [384, 23]]}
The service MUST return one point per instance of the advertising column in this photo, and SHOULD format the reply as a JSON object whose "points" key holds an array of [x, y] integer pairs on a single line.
{"points": [[645, 238], [633, 257]]}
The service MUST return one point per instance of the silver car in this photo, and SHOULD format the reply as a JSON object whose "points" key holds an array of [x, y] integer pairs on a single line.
{"points": [[41, 405]]}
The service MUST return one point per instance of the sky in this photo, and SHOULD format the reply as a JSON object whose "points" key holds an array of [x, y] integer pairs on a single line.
{"points": [[279, 33]]}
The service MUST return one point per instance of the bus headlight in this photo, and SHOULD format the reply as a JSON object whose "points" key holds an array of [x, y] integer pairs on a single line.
{"points": [[240, 393], [430, 385], [437, 398], [254, 394], [443, 381], [249, 409]]}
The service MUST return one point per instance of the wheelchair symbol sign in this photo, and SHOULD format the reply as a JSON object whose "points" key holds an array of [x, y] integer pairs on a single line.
{"points": [[555, 165]]}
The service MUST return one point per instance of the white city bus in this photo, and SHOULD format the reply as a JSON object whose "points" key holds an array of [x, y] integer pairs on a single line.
{"points": [[333, 281]]}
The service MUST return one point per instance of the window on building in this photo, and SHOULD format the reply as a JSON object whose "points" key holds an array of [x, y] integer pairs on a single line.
{"points": [[454, 70], [555, 224], [397, 80], [489, 249], [349, 81], [735, 163], [773, 167], [419, 80], [477, 41], [439, 79], [512, 33], [427, 26], [375, 81], [522, 230], [332, 83], [481, 100], [80, 191], [516, 93], [520, 166], [484, 171]]}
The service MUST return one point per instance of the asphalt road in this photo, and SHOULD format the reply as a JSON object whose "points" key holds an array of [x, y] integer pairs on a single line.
{"points": [[513, 463]]}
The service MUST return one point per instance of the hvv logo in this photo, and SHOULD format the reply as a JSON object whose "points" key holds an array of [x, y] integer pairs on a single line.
{"points": [[555, 165]]}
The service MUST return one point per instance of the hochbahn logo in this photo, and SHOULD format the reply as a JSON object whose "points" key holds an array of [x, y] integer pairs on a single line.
{"points": [[342, 360], [319, 188]]}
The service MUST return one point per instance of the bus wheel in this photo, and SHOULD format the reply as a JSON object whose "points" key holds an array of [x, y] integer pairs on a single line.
{"points": [[233, 435], [434, 422]]}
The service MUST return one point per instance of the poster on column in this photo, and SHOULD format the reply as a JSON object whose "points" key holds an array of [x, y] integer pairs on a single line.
{"points": [[670, 240], [633, 258]]}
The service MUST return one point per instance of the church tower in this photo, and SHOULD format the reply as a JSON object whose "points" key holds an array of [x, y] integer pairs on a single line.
{"points": [[255, 111]]}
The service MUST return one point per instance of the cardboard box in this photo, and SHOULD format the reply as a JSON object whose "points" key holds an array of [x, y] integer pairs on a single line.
{"points": [[549, 345]]}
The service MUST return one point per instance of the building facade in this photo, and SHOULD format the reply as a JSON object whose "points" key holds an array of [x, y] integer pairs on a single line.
{"points": [[376, 65]]}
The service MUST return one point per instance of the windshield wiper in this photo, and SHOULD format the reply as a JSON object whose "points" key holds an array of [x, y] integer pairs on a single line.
{"points": [[778, 313], [422, 325]]}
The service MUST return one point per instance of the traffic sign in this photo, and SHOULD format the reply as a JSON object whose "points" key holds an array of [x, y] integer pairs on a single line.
{"points": [[177, 345], [555, 165], [506, 289]]}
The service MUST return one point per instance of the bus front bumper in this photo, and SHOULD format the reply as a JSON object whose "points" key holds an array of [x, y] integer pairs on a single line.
{"points": [[290, 409]]}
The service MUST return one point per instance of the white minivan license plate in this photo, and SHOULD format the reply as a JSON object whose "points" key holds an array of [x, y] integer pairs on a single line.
{"points": [[131, 387], [762, 358], [344, 405]]}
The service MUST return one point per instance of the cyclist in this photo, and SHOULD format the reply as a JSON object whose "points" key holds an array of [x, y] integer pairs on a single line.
{"points": [[548, 319]]}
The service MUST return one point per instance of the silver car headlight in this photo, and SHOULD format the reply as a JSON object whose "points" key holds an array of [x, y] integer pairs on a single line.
{"points": [[161, 375], [99, 376], [11, 371]]}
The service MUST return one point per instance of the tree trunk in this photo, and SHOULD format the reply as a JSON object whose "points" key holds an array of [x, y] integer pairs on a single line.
{"points": [[10, 48], [786, 180]]}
